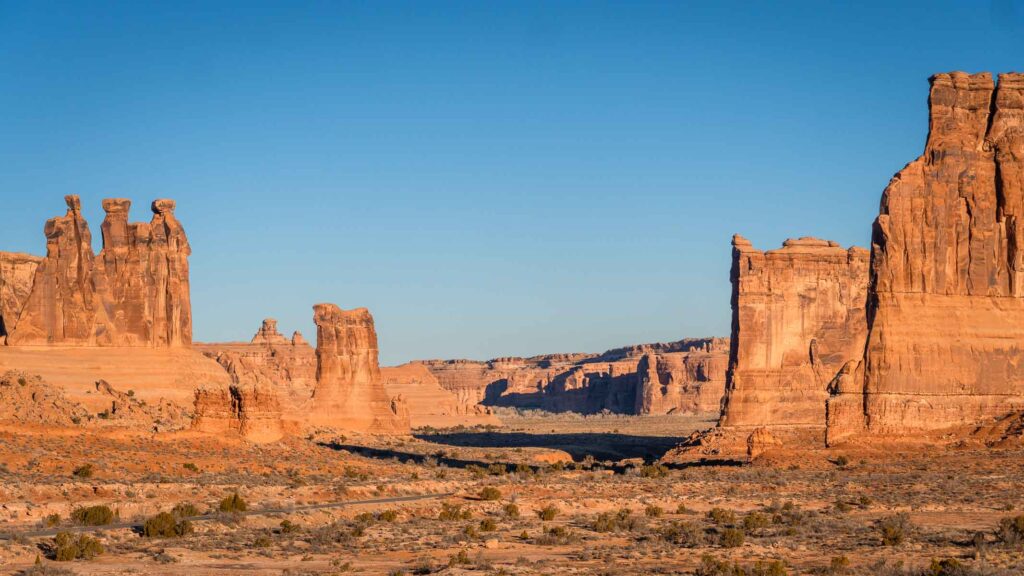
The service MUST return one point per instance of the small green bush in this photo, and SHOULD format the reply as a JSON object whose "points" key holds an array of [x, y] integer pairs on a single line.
{"points": [[68, 547], [722, 516], [488, 525], [51, 520], [511, 510], [685, 534], [93, 515], [731, 538], [490, 493], [452, 512], [622, 520], [83, 471], [288, 527], [654, 511], [233, 503], [895, 529], [166, 525], [653, 471], [547, 513], [388, 515], [755, 521], [1011, 531], [190, 466], [185, 510]]}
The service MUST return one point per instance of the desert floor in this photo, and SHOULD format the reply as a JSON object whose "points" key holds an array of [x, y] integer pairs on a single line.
{"points": [[544, 495]]}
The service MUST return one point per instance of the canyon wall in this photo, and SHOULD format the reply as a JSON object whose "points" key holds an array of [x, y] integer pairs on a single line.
{"points": [[798, 318], [687, 376], [947, 304], [135, 293]]}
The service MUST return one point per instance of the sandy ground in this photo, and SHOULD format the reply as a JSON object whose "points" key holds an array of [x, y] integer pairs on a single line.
{"points": [[610, 510]]}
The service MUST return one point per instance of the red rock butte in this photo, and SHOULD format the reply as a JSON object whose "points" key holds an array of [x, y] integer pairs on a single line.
{"points": [[924, 335]]}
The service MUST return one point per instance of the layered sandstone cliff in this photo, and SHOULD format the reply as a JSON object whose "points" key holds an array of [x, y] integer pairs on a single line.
{"points": [[135, 293], [688, 376], [947, 303], [798, 319], [349, 393], [429, 404], [251, 411]]}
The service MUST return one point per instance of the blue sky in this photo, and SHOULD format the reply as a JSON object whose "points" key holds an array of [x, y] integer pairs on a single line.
{"points": [[489, 178]]}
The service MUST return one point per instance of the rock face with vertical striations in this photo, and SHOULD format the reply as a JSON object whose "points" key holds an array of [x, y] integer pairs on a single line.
{"points": [[947, 304], [135, 293], [17, 272], [798, 319], [64, 307], [145, 267], [252, 411], [349, 393]]}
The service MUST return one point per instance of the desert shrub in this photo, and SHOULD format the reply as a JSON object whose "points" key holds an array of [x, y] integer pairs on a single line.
{"points": [[511, 510], [685, 534], [1011, 531], [755, 521], [460, 559], [622, 520], [682, 509], [841, 461], [839, 564], [83, 471], [185, 510], [452, 512], [555, 536], [166, 525], [262, 541], [93, 515], [68, 547], [711, 566], [233, 503], [731, 538], [653, 471], [547, 513], [894, 529], [842, 507], [947, 567], [190, 467], [497, 469], [488, 525], [654, 511], [288, 527], [722, 516], [490, 493], [51, 520], [388, 515]]}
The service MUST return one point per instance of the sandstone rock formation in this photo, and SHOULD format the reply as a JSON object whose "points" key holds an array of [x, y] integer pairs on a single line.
{"points": [[288, 367], [251, 411], [690, 378], [760, 442], [349, 393], [947, 303], [428, 403], [798, 319], [136, 293], [145, 269], [17, 271]]}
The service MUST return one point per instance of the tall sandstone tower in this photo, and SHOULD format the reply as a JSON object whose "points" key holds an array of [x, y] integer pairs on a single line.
{"points": [[134, 293]]}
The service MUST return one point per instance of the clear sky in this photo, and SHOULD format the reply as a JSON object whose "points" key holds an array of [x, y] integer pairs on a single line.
{"points": [[489, 178]]}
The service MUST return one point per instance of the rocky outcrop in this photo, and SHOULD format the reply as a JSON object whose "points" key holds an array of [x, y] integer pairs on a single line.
{"points": [[428, 403], [687, 376], [17, 271], [798, 319], [947, 305], [349, 393], [251, 411], [135, 293], [270, 360]]}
